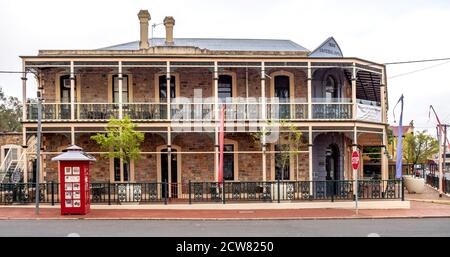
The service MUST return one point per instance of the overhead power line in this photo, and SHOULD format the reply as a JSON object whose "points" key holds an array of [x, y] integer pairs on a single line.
{"points": [[416, 61], [414, 71]]}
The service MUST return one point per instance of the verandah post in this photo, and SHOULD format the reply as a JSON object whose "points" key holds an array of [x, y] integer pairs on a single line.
{"points": [[109, 192], [223, 191], [189, 192], [278, 190]]}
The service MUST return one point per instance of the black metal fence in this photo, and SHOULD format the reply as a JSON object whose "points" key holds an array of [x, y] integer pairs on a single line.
{"points": [[433, 181], [193, 192], [278, 191]]}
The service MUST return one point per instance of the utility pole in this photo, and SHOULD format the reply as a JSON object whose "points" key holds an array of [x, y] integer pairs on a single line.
{"points": [[444, 169], [38, 145]]}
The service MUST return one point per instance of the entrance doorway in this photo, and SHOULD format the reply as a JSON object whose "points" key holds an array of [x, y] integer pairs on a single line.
{"points": [[169, 177], [332, 168]]}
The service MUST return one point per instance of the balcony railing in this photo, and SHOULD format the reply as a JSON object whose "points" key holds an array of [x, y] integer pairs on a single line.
{"points": [[236, 110]]}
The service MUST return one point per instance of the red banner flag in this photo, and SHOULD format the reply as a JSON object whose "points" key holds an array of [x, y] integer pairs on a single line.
{"points": [[221, 142]]}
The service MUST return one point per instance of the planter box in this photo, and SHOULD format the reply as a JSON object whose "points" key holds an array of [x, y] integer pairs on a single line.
{"points": [[414, 185]]}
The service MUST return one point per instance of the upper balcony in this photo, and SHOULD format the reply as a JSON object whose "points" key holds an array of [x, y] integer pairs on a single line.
{"points": [[236, 109], [296, 90]]}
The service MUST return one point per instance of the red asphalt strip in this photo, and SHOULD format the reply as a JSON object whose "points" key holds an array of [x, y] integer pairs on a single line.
{"points": [[418, 210]]}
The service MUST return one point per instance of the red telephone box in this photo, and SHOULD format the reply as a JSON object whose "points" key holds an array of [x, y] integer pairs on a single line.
{"points": [[74, 180]]}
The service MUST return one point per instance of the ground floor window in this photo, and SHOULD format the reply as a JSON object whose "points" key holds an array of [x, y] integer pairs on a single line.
{"points": [[117, 171], [282, 161], [228, 162]]}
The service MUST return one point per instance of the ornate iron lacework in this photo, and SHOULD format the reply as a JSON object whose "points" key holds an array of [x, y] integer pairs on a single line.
{"points": [[198, 191], [214, 191], [320, 189], [266, 192], [376, 189], [122, 192], [153, 192], [236, 189], [304, 190], [137, 193], [251, 190], [390, 190], [290, 191]]}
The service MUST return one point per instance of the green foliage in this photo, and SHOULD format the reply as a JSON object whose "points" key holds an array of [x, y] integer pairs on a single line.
{"points": [[121, 140], [289, 145], [419, 148], [10, 113]]}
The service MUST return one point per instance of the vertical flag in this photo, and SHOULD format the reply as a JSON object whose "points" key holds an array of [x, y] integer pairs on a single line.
{"points": [[398, 163], [221, 142], [440, 132]]}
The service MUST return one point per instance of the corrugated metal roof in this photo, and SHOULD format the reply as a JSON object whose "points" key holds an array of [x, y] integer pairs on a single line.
{"points": [[74, 153], [220, 44]]}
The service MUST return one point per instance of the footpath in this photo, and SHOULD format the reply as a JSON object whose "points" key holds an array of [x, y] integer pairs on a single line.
{"points": [[426, 205]]}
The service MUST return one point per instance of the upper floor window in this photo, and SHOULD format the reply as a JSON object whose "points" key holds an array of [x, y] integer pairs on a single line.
{"points": [[225, 87], [282, 87], [331, 89], [124, 89], [64, 83], [163, 88]]}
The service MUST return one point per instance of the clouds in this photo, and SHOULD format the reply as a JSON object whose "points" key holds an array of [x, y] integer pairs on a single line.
{"points": [[380, 31]]}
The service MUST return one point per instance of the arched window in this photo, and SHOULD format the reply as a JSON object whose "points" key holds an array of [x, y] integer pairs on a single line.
{"points": [[225, 87], [331, 88], [282, 88], [282, 92]]}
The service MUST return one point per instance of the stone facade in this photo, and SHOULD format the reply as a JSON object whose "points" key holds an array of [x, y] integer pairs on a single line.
{"points": [[95, 84], [10, 138]]}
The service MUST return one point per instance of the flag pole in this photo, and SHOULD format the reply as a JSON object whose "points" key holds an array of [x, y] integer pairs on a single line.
{"points": [[398, 162], [221, 145]]}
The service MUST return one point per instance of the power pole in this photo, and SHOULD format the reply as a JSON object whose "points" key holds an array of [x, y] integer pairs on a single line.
{"points": [[444, 169]]}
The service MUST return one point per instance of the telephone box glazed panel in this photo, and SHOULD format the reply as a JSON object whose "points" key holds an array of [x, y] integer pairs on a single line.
{"points": [[75, 190]]}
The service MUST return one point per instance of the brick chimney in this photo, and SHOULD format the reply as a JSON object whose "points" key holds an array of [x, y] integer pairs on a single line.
{"points": [[169, 22], [144, 17]]}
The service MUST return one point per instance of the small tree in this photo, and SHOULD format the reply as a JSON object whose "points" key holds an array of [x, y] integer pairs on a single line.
{"points": [[417, 149], [121, 140], [10, 113], [289, 146]]}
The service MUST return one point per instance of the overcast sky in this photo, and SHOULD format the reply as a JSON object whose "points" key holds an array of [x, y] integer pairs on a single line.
{"points": [[380, 31]]}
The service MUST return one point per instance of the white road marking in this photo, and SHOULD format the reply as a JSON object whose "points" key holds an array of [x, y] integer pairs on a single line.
{"points": [[73, 235], [373, 235]]}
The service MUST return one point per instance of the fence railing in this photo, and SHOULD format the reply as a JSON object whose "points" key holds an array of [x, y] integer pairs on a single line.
{"points": [[193, 191], [237, 109], [433, 181]]}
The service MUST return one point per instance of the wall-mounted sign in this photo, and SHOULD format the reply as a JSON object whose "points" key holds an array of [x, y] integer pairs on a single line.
{"points": [[329, 48]]}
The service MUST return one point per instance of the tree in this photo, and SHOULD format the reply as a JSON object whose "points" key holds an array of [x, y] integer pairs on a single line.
{"points": [[289, 145], [419, 148], [10, 113], [121, 140]]}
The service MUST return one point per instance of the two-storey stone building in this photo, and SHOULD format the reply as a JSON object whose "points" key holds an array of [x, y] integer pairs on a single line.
{"points": [[338, 103]]}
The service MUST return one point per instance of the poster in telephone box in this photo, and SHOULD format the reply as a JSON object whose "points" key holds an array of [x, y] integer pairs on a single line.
{"points": [[74, 180]]}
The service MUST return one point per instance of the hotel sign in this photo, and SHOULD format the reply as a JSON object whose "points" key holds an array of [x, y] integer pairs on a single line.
{"points": [[329, 48]]}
